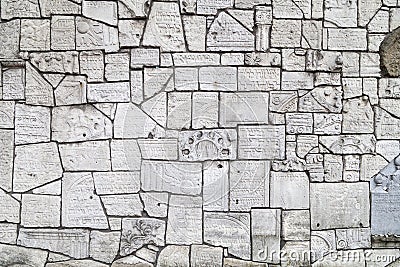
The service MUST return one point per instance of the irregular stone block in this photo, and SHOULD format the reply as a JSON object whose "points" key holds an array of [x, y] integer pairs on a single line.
{"points": [[125, 155], [6, 159], [38, 90], [104, 246], [349, 144], [24, 8], [353, 238], [130, 32], [35, 34], [52, 7], [10, 208], [356, 39], [296, 225], [104, 11], [145, 57], [155, 204], [123, 205], [108, 183], [177, 254], [390, 56], [40, 211], [13, 255]]}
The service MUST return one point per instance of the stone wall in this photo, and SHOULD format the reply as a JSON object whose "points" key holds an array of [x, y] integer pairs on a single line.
{"points": [[210, 133]]}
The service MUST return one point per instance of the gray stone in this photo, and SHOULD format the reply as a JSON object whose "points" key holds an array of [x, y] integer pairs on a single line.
{"points": [[178, 255], [19, 256], [390, 55]]}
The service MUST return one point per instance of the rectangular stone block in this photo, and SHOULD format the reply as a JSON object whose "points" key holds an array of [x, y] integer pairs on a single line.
{"points": [[356, 39], [218, 78], [109, 92], [215, 186], [159, 148], [258, 79]]}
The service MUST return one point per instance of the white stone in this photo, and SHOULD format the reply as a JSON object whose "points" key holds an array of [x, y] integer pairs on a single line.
{"points": [[370, 65], [164, 27], [8, 233], [7, 114], [104, 11], [122, 205], [125, 155], [358, 116], [86, 156], [186, 79], [184, 224], [296, 225], [286, 33], [211, 7], [130, 32], [297, 81], [109, 92], [155, 203], [349, 144], [35, 34], [165, 149], [81, 207], [202, 255], [108, 183], [117, 67], [7, 159], [63, 33], [218, 78], [205, 108], [52, 7], [215, 186], [340, 13], [156, 80], [145, 57], [176, 254], [92, 64], [133, 8], [36, 165], [76, 263], [299, 123], [38, 90], [356, 39], [72, 90], [53, 188], [13, 255], [131, 261], [195, 59], [9, 38], [195, 31], [179, 110], [10, 208], [258, 79], [40, 211], [104, 246]]}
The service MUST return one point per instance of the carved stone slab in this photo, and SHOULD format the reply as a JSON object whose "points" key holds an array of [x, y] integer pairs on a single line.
{"points": [[36, 165], [104, 11], [138, 232], [165, 149], [261, 142], [215, 186], [207, 145], [339, 205], [108, 183], [202, 255], [258, 79], [218, 78], [71, 242], [6, 159], [10, 208], [249, 185], [184, 224], [174, 177], [230, 230], [109, 92], [40, 211]]}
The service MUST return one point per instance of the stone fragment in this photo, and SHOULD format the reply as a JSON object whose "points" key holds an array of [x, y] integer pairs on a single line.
{"points": [[8, 234], [9, 38], [164, 27], [117, 67], [226, 34], [138, 232], [243, 108], [330, 124], [265, 233], [71, 242], [108, 183], [109, 92], [6, 159], [76, 263], [349, 144], [317, 60], [386, 125], [353, 238], [32, 124], [35, 34], [19, 256], [356, 39], [249, 185], [218, 78], [92, 64], [234, 59], [366, 10], [229, 262], [195, 59], [72, 90], [125, 155], [205, 106], [176, 254], [371, 165], [130, 261], [157, 80], [81, 207], [286, 33], [53, 188], [297, 81], [312, 34], [40, 211], [61, 62], [163, 149], [328, 210], [231, 230], [145, 57], [195, 31], [296, 225], [215, 186], [299, 123], [133, 8], [156, 108], [389, 149], [79, 123], [258, 79], [63, 33], [209, 7], [122, 205], [14, 83], [202, 255], [136, 86], [38, 90], [173, 177], [105, 11], [333, 166], [370, 65], [247, 4], [155, 204], [340, 14], [186, 79], [289, 190], [10, 208], [179, 110], [283, 101], [207, 145], [88, 30], [322, 99], [261, 142], [184, 224], [390, 56], [24, 8], [286, 9], [130, 32], [358, 116], [35, 165], [53, 7], [86, 156]]}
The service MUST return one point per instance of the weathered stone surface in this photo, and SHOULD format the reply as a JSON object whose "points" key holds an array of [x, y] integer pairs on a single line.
{"points": [[92, 64], [133, 8], [249, 185], [226, 34], [184, 224], [243, 108], [328, 210], [155, 204], [218, 78], [207, 145], [353, 238], [81, 207], [138, 232], [63, 33], [7, 113], [38, 90], [125, 155], [215, 186], [202, 255], [104, 246], [156, 80], [205, 108], [230, 230], [358, 116], [108, 183], [163, 149], [71, 242], [36, 165], [19, 256], [179, 110], [130, 32], [122, 205], [289, 190], [164, 27], [40, 211], [296, 225], [76, 263], [35, 34], [261, 142], [349, 144], [265, 233], [299, 123], [178, 255], [286, 33], [105, 37], [51, 7], [71, 90], [10, 208], [8, 233], [173, 177], [14, 83], [109, 92], [86, 156], [6, 159], [117, 67], [9, 38], [195, 30], [390, 56], [104, 11]]}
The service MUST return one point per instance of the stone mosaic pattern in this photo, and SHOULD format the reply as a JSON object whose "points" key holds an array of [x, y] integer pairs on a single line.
{"points": [[235, 133]]}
